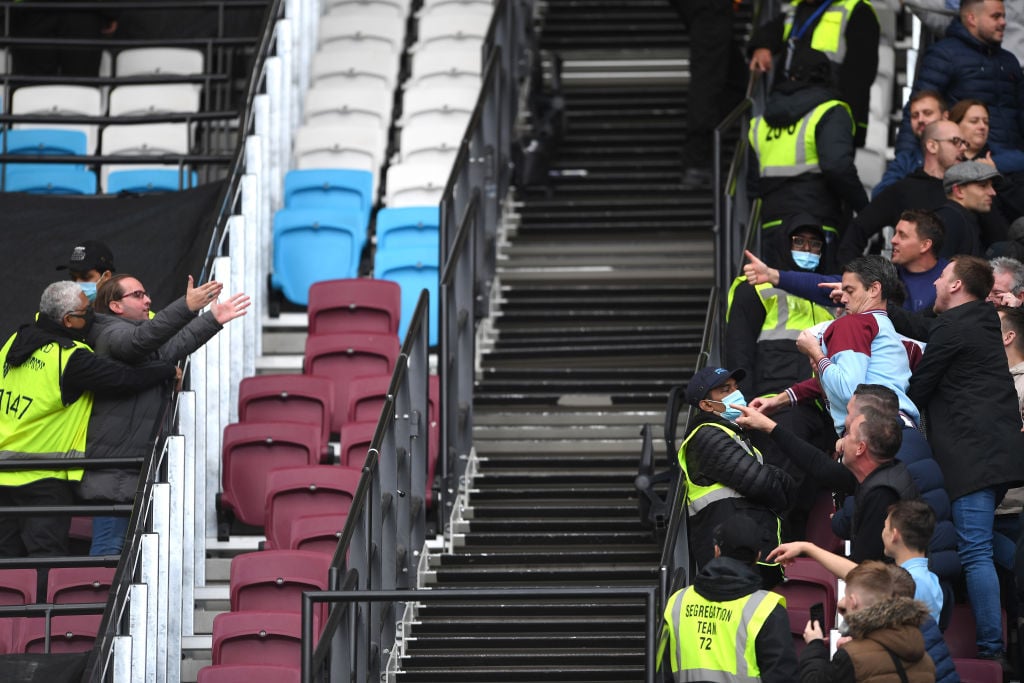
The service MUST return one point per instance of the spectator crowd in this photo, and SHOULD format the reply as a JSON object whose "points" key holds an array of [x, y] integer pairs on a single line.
{"points": [[883, 377]]}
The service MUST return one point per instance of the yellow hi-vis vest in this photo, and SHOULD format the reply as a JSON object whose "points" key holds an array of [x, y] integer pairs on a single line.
{"points": [[715, 641], [34, 422], [829, 34], [699, 497], [791, 151], [785, 314]]}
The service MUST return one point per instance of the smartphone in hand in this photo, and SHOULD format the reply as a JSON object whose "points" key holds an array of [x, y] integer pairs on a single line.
{"points": [[818, 615]]}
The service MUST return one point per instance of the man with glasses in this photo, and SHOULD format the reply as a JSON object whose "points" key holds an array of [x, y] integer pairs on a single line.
{"points": [[941, 148], [926, 106], [50, 382], [125, 427]]}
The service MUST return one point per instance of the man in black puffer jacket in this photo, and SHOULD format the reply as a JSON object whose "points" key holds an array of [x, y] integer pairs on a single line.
{"points": [[726, 474]]}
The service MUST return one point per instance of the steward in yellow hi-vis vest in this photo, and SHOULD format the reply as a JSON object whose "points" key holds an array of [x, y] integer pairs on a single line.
{"points": [[46, 396], [803, 145], [845, 31], [725, 628], [725, 475]]}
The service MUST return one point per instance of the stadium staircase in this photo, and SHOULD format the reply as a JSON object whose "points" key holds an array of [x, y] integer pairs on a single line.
{"points": [[600, 299]]}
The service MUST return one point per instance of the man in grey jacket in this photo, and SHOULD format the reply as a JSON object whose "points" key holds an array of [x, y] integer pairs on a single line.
{"points": [[126, 426]]}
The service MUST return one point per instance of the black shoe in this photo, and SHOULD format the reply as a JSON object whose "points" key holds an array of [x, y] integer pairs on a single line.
{"points": [[695, 178]]}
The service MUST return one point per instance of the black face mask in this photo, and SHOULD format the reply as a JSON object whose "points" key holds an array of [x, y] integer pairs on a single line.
{"points": [[80, 334]]}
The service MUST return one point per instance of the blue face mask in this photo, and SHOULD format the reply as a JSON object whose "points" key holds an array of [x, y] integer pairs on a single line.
{"points": [[735, 398], [806, 260], [89, 288]]}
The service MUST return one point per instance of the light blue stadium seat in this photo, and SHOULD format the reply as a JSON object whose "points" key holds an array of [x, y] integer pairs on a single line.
{"points": [[56, 141], [150, 180], [44, 141], [410, 226], [311, 245], [50, 180], [414, 271], [344, 189]]}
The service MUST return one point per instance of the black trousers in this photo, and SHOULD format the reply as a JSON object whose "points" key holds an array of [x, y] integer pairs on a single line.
{"points": [[718, 73], [36, 536]]}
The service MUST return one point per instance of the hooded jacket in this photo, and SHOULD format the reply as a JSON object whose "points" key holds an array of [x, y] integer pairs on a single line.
{"points": [[819, 194], [125, 426], [892, 625], [724, 579], [962, 67]]}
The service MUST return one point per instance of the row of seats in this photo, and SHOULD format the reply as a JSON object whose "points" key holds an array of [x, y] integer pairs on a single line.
{"points": [[64, 586], [52, 136], [286, 422]]}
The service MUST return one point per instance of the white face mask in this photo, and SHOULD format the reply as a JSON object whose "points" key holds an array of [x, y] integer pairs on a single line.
{"points": [[805, 259], [735, 398]]}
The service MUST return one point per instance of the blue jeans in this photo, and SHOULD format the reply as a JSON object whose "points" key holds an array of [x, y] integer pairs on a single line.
{"points": [[108, 535], [973, 516]]}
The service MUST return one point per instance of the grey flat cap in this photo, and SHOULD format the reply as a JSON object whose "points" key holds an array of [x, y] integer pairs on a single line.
{"points": [[967, 172]]}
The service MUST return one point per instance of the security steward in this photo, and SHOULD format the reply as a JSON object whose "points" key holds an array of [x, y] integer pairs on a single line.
{"points": [[804, 149], [762, 324], [846, 31], [725, 474], [46, 396], [708, 626]]}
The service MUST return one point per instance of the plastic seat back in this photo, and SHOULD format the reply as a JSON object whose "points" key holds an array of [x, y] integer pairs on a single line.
{"points": [[251, 451], [364, 26], [978, 670], [453, 23], [354, 305], [432, 141], [344, 357], [819, 523], [452, 64], [316, 533], [338, 189], [354, 63], [960, 634], [340, 146], [366, 398], [366, 104], [413, 226], [273, 580], [18, 586], [257, 638], [72, 585], [68, 633], [158, 60], [417, 183], [413, 271], [354, 443], [161, 98], [304, 399], [57, 180], [58, 101], [141, 180], [806, 584], [295, 492], [311, 245]]}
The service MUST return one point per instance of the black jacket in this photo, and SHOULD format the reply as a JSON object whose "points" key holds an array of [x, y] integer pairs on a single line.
{"points": [[853, 77], [964, 388], [724, 579], [713, 456], [871, 502], [819, 194], [85, 371], [962, 231], [917, 191]]}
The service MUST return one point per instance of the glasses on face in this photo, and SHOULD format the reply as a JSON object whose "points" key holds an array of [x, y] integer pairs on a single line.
{"points": [[807, 243], [137, 294], [957, 142]]}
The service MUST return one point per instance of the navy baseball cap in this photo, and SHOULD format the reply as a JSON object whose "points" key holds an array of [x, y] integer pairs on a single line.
{"points": [[706, 379], [738, 537]]}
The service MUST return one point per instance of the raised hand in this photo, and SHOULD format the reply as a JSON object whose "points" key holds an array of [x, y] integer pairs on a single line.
{"points": [[753, 418], [198, 297], [757, 271], [234, 307]]}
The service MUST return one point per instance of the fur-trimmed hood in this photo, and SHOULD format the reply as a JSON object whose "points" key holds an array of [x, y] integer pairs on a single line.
{"points": [[884, 622]]}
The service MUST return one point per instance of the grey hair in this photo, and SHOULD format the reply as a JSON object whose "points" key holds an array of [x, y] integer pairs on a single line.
{"points": [[1010, 265], [59, 299]]}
